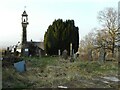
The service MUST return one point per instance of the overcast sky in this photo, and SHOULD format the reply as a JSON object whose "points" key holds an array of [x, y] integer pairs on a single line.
{"points": [[41, 13]]}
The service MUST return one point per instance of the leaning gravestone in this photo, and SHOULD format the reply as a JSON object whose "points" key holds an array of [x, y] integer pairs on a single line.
{"points": [[64, 54], [20, 66]]}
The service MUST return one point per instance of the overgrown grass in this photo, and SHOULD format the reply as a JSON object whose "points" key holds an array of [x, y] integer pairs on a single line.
{"points": [[95, 68], [42, 62], [55, 71]]}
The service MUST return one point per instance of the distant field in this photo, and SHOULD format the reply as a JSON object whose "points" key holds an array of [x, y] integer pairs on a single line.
{"points": [[51, 72]]}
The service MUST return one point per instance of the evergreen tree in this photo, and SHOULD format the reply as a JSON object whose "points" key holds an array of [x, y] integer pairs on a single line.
{"points": [[59, 35]]}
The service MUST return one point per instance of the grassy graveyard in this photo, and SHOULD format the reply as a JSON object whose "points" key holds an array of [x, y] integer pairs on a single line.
{"points": [[51, 72]]}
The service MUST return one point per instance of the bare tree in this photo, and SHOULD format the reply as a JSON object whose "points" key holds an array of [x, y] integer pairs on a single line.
{"points": [[108, 19], [87, 44]]}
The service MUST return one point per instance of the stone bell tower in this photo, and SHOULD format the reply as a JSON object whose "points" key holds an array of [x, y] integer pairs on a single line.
{"points": [[24, 33], [24, 26]]}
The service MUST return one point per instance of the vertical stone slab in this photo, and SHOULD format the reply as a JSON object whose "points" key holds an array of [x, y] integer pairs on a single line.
{"points": [[59, 53], [90, 55], [40, 53], [71, 49], [102, 54], [64, 54]]}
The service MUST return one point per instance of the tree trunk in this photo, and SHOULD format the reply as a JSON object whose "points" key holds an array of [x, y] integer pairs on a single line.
{"points": [[113, 48]]}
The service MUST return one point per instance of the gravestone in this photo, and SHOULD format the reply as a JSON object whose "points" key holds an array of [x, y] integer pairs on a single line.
{"points": [[71, 49], [102, 54], [40, 53], [73, 52], [75, 56], [64, 54], [20, 66], [90, 54], [59, 52]]}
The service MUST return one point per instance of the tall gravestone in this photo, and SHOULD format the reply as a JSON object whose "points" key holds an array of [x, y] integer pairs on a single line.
{"points": [[102, 53], [71, 49], [90, 54], [59, 52]]}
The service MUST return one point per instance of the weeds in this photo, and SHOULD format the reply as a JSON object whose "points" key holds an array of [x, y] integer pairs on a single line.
{"points": [[54, 71]]}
